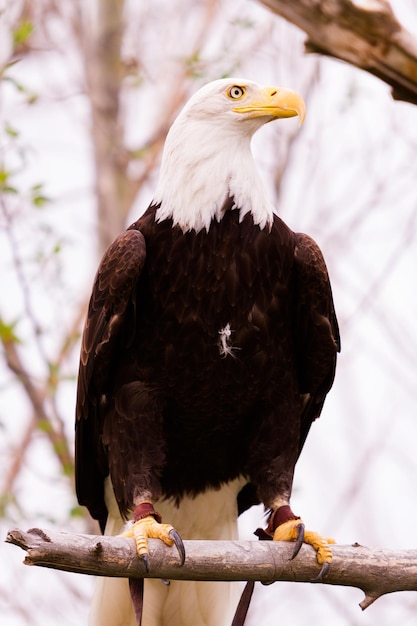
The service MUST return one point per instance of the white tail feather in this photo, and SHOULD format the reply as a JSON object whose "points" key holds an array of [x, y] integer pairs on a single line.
{"points": [[211, 516], [111, 605]]}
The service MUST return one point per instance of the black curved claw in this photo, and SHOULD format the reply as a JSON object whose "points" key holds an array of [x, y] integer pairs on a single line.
{"points": [[323, 572], [178, 544], [145, 560], [299, 541]]}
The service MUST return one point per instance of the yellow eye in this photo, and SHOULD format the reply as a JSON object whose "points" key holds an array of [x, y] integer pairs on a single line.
{"points": [[236, 92]]}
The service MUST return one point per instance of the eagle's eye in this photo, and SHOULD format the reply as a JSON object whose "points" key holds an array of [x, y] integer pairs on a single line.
{"points": [[236, 92]]}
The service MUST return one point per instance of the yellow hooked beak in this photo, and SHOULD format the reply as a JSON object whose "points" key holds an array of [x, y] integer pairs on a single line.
{"points": [[274, 102]]}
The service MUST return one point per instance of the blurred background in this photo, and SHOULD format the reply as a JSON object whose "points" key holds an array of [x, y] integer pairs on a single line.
{"points": [[86, 98]]}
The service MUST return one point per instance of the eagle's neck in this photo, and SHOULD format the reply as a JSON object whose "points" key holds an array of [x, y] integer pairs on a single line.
{"points": [[204, 165]]}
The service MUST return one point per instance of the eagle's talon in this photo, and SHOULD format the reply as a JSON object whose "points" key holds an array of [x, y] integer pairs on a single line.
{"points": [[322, 574], [294, 530], [145, 560], [175, 536], [299, 540], [150, 528]]}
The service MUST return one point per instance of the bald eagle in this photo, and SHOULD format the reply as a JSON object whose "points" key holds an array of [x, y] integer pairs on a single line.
{"points": [[208, 350]]}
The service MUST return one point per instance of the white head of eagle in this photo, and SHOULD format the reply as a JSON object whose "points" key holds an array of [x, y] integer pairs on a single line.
{"points": [[208, 146]]}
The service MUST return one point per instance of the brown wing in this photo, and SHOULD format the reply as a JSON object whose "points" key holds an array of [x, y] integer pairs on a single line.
{"points": [[316, 330], [110, 328]]}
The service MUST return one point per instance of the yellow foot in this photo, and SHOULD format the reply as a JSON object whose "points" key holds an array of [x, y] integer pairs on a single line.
{"points": [[149, 528], [294, 530]]}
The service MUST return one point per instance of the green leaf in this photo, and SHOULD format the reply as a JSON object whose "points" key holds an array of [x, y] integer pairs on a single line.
{"points": [[44, 425], [5, 187], [4, 176], [22, 32], [244, 22], [38, 197], [139, 153], [77, 511], [9, 130], [32, 98], [40, 201], [7, 332]]}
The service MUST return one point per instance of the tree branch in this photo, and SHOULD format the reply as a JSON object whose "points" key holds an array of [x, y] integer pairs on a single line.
{"points": [[366, 35], [375, 571], [37, 397]]}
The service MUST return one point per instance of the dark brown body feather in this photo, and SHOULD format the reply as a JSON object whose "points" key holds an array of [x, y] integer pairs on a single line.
{"points": [[161, 404]]}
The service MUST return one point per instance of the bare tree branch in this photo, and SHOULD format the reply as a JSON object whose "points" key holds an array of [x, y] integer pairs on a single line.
{"points": [[375, 571], [37, 399], [13, 470], [366, 35]]}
